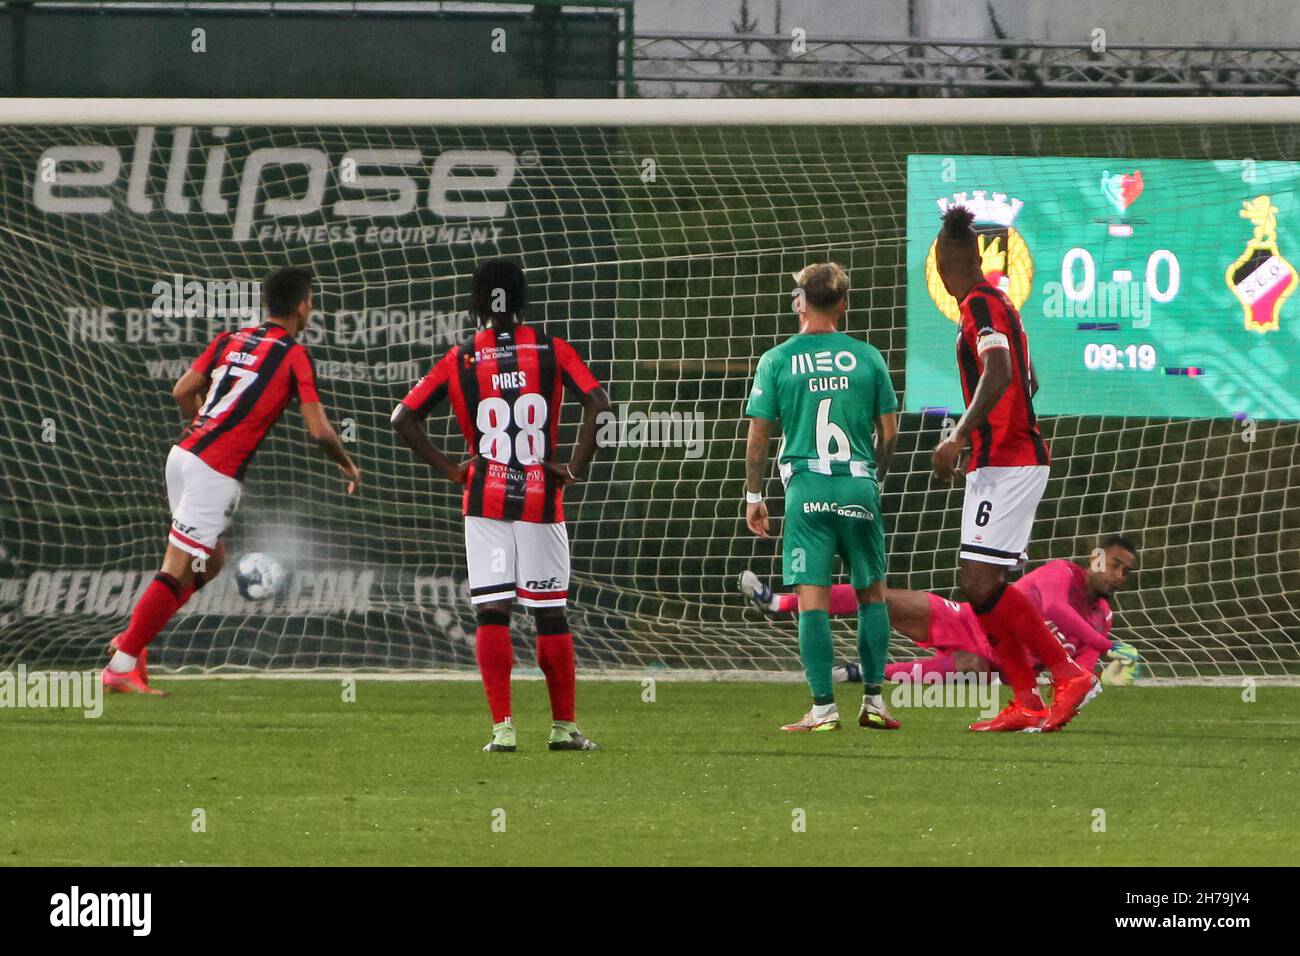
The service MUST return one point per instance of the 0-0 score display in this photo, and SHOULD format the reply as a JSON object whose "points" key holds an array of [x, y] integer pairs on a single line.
{"points": [[1159, 284]]}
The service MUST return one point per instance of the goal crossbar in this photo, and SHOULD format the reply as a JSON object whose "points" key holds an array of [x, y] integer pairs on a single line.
{"points": [[1091, 111]]}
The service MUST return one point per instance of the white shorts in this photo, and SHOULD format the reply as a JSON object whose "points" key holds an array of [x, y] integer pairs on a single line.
{"points": [[524, 559], [203, 500], [998, 512]]}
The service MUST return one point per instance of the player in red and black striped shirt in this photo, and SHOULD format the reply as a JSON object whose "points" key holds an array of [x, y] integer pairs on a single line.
{"points": [[1009, 436], [1006, 475], [506, 386], [249, 377], [231, 396]]}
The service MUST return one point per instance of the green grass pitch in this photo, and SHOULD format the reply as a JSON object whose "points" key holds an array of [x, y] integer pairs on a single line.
{"points": [[288, 773]]}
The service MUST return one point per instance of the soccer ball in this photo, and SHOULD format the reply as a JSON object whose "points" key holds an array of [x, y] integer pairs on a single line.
{"points": [[259, 576]]}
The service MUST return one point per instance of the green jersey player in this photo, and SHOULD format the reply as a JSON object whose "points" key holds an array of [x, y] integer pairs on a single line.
{"points": [[832, 395]]}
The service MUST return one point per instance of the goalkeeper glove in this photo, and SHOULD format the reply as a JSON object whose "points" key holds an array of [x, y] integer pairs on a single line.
{"points": [[1123, 652], [1123, 665]]}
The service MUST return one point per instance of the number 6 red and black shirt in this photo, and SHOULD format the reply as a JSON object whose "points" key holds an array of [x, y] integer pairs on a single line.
{"points": [[506, 389], [1010, 436], [254, 373]]}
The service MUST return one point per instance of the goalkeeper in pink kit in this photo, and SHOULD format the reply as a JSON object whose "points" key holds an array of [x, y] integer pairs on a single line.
{"points": [[1073, 601]]}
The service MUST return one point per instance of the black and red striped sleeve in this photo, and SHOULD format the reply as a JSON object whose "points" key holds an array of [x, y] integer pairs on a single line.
{"points": [[303, 370], [573, 369], [206, 362], [432, 389], [989, 317]]}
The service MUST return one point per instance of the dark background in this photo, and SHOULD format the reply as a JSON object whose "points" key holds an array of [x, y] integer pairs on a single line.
{"points": [[305, 53]]}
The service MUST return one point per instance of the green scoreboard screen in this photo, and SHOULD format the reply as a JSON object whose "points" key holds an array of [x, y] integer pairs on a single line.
{"points": [[1153, 288]]}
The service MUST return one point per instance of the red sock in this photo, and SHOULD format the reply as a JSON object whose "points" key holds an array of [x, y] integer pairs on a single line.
{"points": [[915, 671], [161, 599], [1014, 614], [1010, 648], [555, 658], [787, 603], [495, 659], [1019, 672]]}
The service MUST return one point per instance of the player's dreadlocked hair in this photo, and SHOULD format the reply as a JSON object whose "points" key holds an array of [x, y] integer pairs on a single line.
{"points": [[499, 292], [956, 226]]}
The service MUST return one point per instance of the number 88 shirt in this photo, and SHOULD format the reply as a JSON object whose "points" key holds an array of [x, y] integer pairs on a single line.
{"points": [[506, 389]]}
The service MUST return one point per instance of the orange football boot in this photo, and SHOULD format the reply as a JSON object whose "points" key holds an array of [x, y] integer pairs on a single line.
{"points": [[1013, 719], [1068, 699]]}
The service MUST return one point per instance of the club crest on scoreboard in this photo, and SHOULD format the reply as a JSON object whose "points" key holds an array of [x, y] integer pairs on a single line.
{"points": [[1121, 189], [1005, 256], [1260, 278]]}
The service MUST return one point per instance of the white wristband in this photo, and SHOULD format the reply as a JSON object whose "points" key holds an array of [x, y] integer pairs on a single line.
{"points": [[753, 497]]}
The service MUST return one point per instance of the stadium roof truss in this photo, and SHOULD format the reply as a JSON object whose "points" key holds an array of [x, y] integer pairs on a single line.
{"points": [[729, 63]]}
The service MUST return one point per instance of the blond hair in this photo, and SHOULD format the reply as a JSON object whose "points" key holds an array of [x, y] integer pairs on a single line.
{"points": [[824, 284]]}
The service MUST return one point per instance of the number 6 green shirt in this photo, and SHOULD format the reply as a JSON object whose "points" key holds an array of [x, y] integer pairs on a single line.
{"points": [[826, 390]]}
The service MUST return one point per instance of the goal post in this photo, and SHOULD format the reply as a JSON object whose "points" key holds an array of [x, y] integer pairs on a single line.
{"points": [[1148, 242]]}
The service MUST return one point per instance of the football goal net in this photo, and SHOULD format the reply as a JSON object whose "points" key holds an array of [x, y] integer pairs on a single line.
{"points": [[1151, 245]]}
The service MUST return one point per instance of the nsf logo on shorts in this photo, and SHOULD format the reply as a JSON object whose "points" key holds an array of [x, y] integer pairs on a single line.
{"points": [[550, 584], [834, 507]]}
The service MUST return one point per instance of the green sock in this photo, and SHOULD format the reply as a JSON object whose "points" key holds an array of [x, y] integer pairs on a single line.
{"points": [[873, 642], [817, 654]]}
